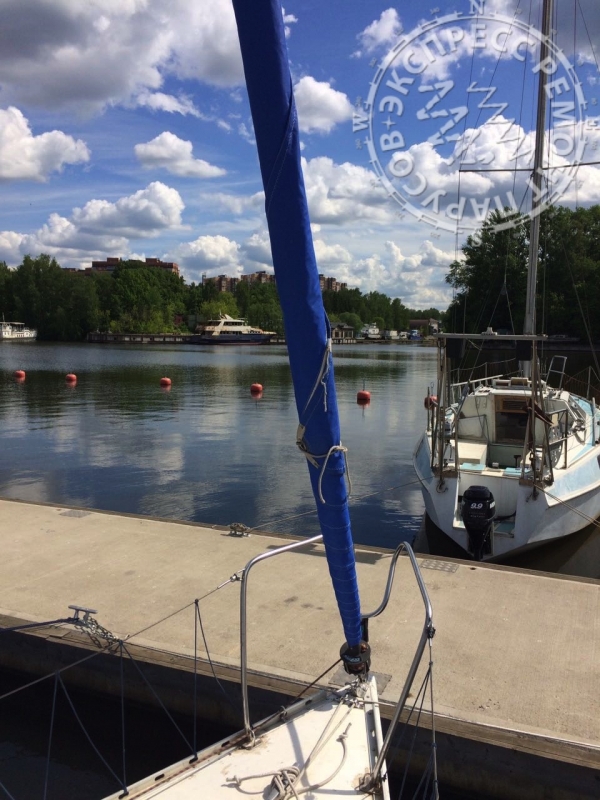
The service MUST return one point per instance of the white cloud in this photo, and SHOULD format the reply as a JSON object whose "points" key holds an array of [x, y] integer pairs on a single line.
{"points": [[175, 155], [417, 278], [337, 194], [381, 32], [100, 227], [320, 107], [89, 55], [210, 254], [288, 19], [24, 156], [145, 213], [234, 203], [257, 250], [330, 255], [342, 193], [159, 101]]}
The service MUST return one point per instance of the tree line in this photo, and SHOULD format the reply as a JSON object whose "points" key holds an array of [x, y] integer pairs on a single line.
{"points": [[490, 283], [135, 298]]}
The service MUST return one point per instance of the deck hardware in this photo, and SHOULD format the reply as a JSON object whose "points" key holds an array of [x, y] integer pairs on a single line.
{"points": [[239, 529], [82, 609]]}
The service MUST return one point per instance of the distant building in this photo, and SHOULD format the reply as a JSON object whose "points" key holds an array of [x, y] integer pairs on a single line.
{"points": [[226, 284], [223, 282], [113, 262], [340, 332], [331, 284], [259, 277]]}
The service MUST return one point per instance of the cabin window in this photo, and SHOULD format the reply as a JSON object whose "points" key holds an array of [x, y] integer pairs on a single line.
{"points": [[511, 420]]}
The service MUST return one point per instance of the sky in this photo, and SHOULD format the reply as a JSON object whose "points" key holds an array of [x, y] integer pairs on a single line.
{"points": [[125, 131]]}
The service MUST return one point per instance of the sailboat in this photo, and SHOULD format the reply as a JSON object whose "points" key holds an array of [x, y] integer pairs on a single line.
{"points": [[510, 462], [330, 744]]}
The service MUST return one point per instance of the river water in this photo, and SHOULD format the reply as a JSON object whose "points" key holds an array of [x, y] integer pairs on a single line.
{"points": [[206, 451]]}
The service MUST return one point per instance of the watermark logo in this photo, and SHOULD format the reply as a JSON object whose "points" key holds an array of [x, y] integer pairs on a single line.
{"points": [[448, 121]]}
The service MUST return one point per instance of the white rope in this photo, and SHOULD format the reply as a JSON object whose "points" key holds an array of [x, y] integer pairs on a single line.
{"points": [[336, 448], [321, 377], [285, 781]]}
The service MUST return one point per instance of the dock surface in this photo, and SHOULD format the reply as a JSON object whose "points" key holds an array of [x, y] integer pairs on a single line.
{"points": [[517, 653]]}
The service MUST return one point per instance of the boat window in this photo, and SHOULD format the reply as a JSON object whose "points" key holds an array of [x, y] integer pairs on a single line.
{"points": [[511, 420]]}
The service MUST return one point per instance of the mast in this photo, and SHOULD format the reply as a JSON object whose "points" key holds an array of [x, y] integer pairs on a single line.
{"points": [[537, 178], [308, 334]]}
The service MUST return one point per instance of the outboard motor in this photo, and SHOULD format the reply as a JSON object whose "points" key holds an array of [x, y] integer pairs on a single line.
{"points": [[478, 509]]}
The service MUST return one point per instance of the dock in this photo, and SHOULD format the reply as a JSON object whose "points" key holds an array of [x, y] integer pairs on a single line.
{"points": [[516, 653]]}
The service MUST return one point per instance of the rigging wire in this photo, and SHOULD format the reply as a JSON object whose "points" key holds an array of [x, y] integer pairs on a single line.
{"points": [[158, 700], [6, 792], [198, 621], [87, 735], [588, 35], [268, 524], [585, 321]]}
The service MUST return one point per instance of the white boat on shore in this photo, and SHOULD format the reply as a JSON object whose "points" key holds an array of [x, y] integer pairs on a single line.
{"points": [[16, 332], [227, 330], [370, 331]]}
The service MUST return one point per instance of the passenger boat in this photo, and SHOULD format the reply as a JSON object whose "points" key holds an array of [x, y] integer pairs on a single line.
{"points": [[510, 461], [16, 332], [227, 330]]}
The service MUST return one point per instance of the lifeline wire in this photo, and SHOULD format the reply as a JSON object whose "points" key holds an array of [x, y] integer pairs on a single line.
{"points": [[5, 790], [354, 499], [159, 701], [88, 737], [198, 618]]}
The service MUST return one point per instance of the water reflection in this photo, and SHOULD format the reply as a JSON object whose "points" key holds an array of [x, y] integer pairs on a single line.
{"points": [[207, 450]]}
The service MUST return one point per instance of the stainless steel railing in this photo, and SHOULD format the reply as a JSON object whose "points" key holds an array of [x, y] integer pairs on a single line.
{"points": [[426, 635], [243, 617]]}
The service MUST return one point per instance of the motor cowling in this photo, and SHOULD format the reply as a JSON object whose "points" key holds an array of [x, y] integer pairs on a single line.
{"points": [[478, 510]]}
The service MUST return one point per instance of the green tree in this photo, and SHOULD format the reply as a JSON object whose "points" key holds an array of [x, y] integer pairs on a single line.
{"points": [[224, 304], [352, 319], [490, 282]]}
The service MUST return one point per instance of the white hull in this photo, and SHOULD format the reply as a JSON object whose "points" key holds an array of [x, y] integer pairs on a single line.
{"points": [[26, 335], [567, 505], [348, 729]]}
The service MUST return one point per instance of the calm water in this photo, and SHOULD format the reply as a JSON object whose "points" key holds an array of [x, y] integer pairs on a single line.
{"points": [[206, 450]]}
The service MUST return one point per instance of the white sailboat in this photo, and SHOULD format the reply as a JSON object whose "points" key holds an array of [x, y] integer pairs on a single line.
{"points": [[510, 462]]}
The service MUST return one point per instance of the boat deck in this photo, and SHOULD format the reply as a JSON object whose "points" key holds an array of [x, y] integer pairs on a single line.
{"points": [[516, 653]]}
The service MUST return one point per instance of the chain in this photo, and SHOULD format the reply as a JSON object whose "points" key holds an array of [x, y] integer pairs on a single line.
{"points": [[97, 632]]}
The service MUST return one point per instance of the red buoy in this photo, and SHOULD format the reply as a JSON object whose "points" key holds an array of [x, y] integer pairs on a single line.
{"points": [[430, 401], [19, 374], [363, 396], [256, 388], [71, 378], [165, 381]]}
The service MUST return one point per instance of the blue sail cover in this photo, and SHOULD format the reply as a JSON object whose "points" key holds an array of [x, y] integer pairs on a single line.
{"points": [[264, 53]]}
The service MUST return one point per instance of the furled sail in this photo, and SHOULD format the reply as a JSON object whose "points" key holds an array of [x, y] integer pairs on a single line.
{"points": [[268, 79]]}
